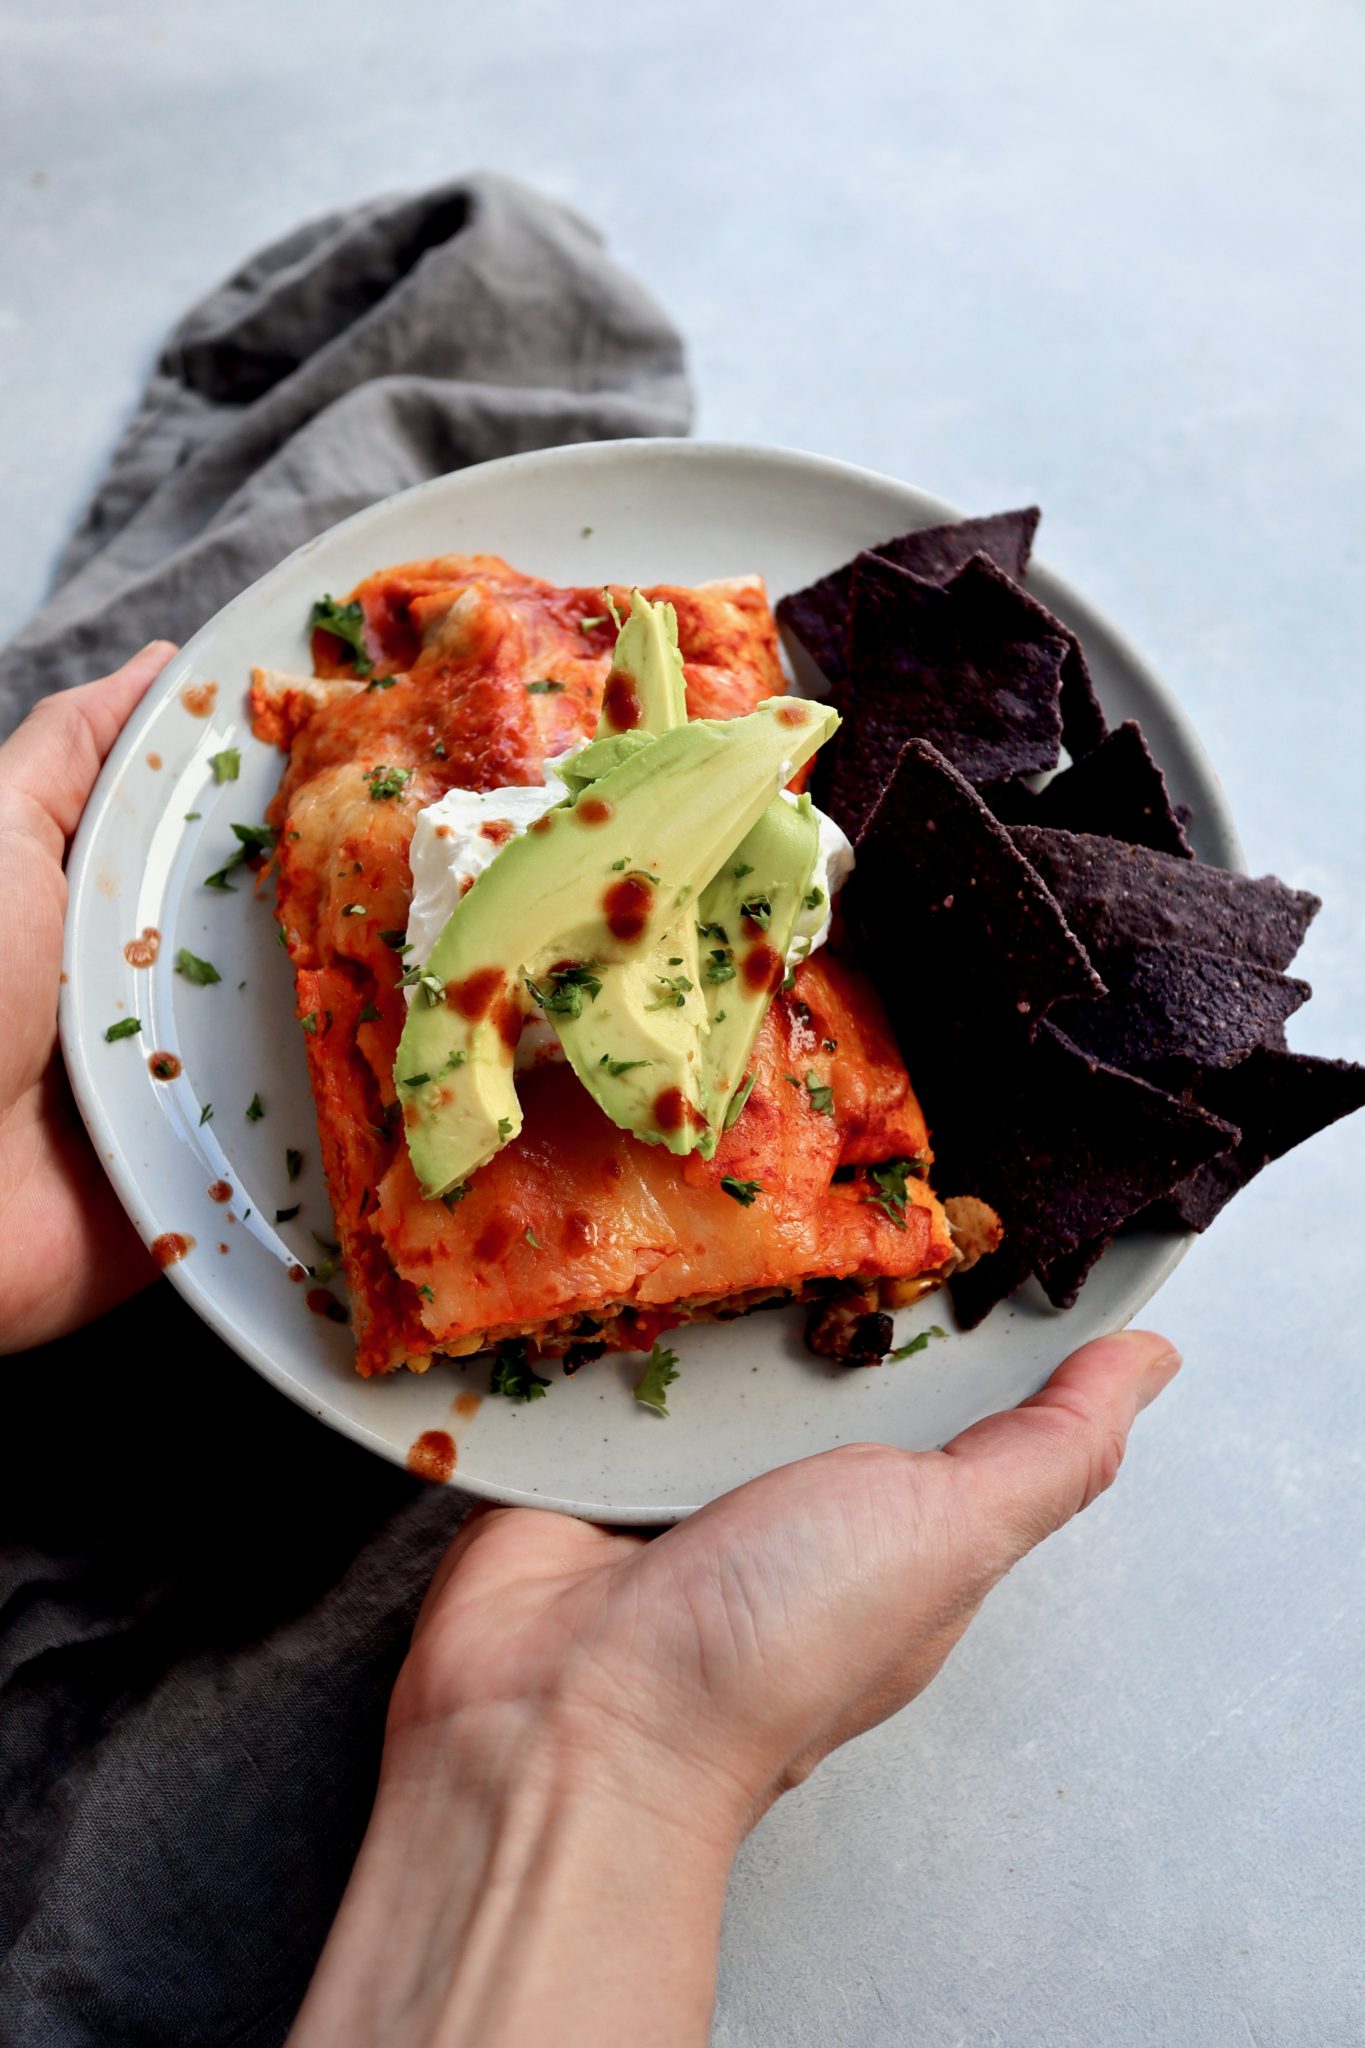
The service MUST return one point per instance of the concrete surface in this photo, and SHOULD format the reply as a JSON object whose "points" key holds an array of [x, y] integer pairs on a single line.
{"points": [[1107, 258]]}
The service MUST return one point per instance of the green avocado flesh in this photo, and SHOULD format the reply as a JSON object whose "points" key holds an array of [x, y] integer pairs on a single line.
{"points": [[645, 690], [638, 1043], [602, 883], [748, 914], [602, 880]]}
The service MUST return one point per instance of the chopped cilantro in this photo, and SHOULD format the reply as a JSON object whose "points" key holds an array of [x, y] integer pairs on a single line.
{"points": [[293, 1163], [127, 1027], [544, 687], [287, 1215], [381, 682], [714, 931], [567, 988], [512, 1374], [345, 622], [744, 868], [456, 1060], [758, 910], [532, 1239], [720, 1016], [413, 1080], [617, 866], [194, 969], [369, 1015], [661, 1370], [890, 1180], [256, 838], [743, 1191], [821, 1096], [618, 1067], [813, 899], [721, 965], [310, 1023], [427, 1293], [251, 839], [206, 1115], [226, 766], [585, 532], [282, 937], [163, 1066], [439, 750], [738, 1100], [385, 781], [919, 1342], [191, 816], [675, 990], [454, 1195], [504, 1128], [255, 1110], [395, 938]]}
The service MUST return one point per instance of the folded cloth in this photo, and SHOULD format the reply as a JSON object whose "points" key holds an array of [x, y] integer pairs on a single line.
{"points": [[363, 353], [204, 1596]]}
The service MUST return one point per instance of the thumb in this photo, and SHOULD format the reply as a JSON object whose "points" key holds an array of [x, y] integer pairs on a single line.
{"points": [[53, 758], [1024, 1473]]}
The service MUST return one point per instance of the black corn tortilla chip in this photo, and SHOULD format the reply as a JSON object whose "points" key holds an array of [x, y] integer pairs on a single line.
{"points": [[1116, 791], [965, 943], [1178, 1008], [818, 615], [1115, 896], [962, 666], [1067, 1149], [1277, 1099]]}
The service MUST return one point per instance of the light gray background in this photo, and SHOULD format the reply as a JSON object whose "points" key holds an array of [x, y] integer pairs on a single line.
{"points": [[1104, 256]]}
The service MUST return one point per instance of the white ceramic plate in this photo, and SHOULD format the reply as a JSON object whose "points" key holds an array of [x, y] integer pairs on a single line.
{"points": [[750, 1396]]}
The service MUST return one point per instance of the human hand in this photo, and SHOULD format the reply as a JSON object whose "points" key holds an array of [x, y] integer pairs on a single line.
{"points": [[67, 1249], [597, 1718]]}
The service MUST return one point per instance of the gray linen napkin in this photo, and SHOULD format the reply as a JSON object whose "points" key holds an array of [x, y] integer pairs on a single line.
{"points": [[204, 1596]]}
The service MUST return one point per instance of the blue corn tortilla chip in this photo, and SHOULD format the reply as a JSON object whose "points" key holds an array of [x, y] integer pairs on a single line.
{"points": [[965, 941], [1066, 1150], [961, 665], [818, 615], [1169, 1011], [1064, 1278], [1277, 1099], [1117, 791], [1116, 896]]}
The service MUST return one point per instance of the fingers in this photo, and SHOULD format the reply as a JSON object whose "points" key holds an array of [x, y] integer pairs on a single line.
{"points": [[1027, 1472], [55, 755]]}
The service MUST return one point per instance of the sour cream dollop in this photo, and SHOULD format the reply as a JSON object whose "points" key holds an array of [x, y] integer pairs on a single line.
{"points": [[459, 835]]}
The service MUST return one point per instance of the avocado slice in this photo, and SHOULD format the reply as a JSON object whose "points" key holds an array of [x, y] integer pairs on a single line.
{"points": [[597, 756], [644, 690], [600, 880], [639, 1042], [746, 918]]}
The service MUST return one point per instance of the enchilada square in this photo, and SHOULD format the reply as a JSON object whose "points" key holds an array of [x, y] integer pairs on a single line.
{"points": [[463, 673]]}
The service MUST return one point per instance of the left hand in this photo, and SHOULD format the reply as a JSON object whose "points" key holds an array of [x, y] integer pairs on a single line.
{"points": [[67, 1249]]}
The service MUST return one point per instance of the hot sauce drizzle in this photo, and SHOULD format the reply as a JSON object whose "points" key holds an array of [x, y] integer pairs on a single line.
{"points": [[433, 1455], [627, 904]]}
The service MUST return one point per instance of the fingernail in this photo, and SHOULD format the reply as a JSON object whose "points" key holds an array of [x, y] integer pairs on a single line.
{"points": [[1161, 1370]]}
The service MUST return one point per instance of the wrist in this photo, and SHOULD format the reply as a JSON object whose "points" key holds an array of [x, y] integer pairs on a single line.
{"points": [[609, 1743], [508, 1842]]}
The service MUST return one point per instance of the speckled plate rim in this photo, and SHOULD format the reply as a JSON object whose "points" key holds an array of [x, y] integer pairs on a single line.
{"points": [[1150, 1260]]}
